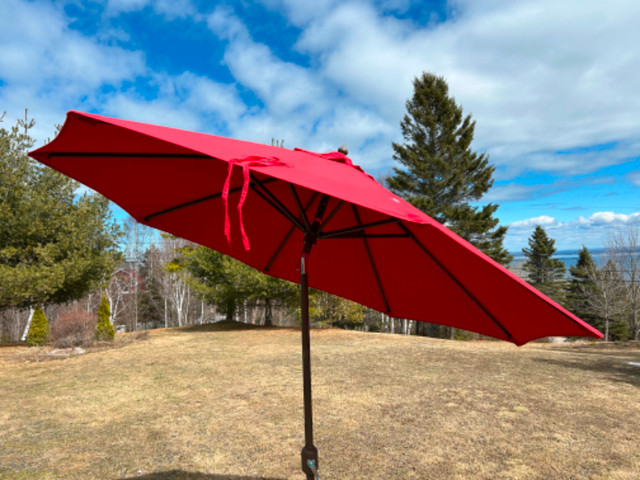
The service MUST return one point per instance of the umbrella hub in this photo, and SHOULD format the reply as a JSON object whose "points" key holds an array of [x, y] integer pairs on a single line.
{"points": [[340, 156]]}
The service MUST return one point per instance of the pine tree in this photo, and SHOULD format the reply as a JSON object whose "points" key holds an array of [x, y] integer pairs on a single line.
{"points": [[440, 174], [104, 328], [55, 246], [582, 286], [544, 272], [39, 330]]}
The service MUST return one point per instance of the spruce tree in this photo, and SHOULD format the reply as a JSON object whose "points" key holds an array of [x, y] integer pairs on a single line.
{"points": [[582, 286], [543, 271], [104, 328], [440, 174], [39, 330]]}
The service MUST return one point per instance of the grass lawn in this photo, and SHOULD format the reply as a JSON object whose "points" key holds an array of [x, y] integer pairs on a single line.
{"points": [[225, 403]]}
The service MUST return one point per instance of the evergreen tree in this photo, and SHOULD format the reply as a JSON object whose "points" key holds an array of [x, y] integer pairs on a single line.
{"points": [[543, 271], [582, 286], [39, 330], [150, 298], [440, 174], [54, 247], [228, 283], [330, 310], [104, 328]]}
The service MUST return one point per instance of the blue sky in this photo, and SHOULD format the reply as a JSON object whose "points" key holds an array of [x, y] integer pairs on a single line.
{"points": [[552, 86]]}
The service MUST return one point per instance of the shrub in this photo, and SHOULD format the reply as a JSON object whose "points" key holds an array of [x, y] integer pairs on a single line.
{"points": [[38, 334], [104, 328], [73, 328]]}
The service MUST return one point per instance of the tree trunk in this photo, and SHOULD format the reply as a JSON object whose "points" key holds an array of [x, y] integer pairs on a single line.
{"points": [[432, 330], [166, 319], [26, 330], [268, 315]]}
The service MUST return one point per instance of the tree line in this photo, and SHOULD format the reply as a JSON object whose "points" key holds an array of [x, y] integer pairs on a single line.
{"points": [[61, 249], [607, 296]]}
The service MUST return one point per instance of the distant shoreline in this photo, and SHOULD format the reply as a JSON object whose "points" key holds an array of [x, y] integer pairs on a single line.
{"points": [[568, 257]]}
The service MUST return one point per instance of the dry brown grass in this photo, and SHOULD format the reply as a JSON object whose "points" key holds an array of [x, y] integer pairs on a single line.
{"points": [[226, 404]]}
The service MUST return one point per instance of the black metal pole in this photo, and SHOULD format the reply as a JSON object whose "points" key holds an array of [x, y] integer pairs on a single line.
{"points": [[309, 452]]}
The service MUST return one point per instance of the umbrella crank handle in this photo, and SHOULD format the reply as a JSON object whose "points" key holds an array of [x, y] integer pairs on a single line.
{"points": [[310, 462], [312, 466]]}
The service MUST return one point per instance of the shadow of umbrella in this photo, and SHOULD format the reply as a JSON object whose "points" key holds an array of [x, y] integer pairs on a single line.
{"points": [[618, 370], [223, 326], [184, 475]]}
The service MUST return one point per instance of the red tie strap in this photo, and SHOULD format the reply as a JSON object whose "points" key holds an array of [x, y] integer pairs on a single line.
{"points": [[245, 163]]}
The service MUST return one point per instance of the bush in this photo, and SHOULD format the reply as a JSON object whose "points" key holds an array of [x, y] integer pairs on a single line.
{"points": [[38, 334], [104, 328], [619, 331], [73, 328]]}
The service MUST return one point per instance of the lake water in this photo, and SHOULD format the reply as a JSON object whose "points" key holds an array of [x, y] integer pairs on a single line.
{"points": [[569, 257]]}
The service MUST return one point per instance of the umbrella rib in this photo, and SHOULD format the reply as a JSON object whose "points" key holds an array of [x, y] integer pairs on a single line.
{"points": [[195, 202], [464, 289], [373, 265], [330, 216], [359, 228], [128, 155], [368, 235], [288, 235], [272, 200], [300, 209]]}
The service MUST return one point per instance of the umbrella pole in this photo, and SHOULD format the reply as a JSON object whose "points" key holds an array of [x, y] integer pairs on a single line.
{"points": [[309, 452]]}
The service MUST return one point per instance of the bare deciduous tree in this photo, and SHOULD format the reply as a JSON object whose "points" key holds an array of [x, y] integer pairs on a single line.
{"points": [[174, 285], [118, 288], [137, 238], [604, 293], [624, 250]]}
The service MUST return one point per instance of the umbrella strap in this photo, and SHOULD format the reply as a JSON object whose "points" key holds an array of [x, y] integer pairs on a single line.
{"points": [[245, 163]]}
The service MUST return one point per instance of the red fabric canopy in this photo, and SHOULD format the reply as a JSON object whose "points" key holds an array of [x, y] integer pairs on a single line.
{"points": [[373, 248]]}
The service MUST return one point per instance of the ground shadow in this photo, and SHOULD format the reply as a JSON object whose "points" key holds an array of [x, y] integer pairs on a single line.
{"points": [[184, 475], [224, 326], [618, 369]]}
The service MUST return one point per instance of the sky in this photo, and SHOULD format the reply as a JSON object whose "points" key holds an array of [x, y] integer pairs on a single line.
{"points": [[552, 85]]}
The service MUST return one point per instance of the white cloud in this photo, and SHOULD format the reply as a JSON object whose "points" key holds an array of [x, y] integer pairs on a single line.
{"points": [[300, 106], [592, 231], [47, 67], [283, 87], [536, 76], [169, 8], [634, 177], [300, 13], [542, 220], [609, 218], [509, 192]]}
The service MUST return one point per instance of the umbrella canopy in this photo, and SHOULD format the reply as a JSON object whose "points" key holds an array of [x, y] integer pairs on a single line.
{"points": [[373, 247], [269, 207]]}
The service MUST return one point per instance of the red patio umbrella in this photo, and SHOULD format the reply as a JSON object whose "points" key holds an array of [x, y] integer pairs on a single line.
{"points": [[315, 219]]}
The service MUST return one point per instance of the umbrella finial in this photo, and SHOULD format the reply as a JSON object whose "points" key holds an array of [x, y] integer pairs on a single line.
{"points": [[343, 149]]}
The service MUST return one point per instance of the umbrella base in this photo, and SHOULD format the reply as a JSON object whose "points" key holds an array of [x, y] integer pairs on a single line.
{"points": [[310, 462]]}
